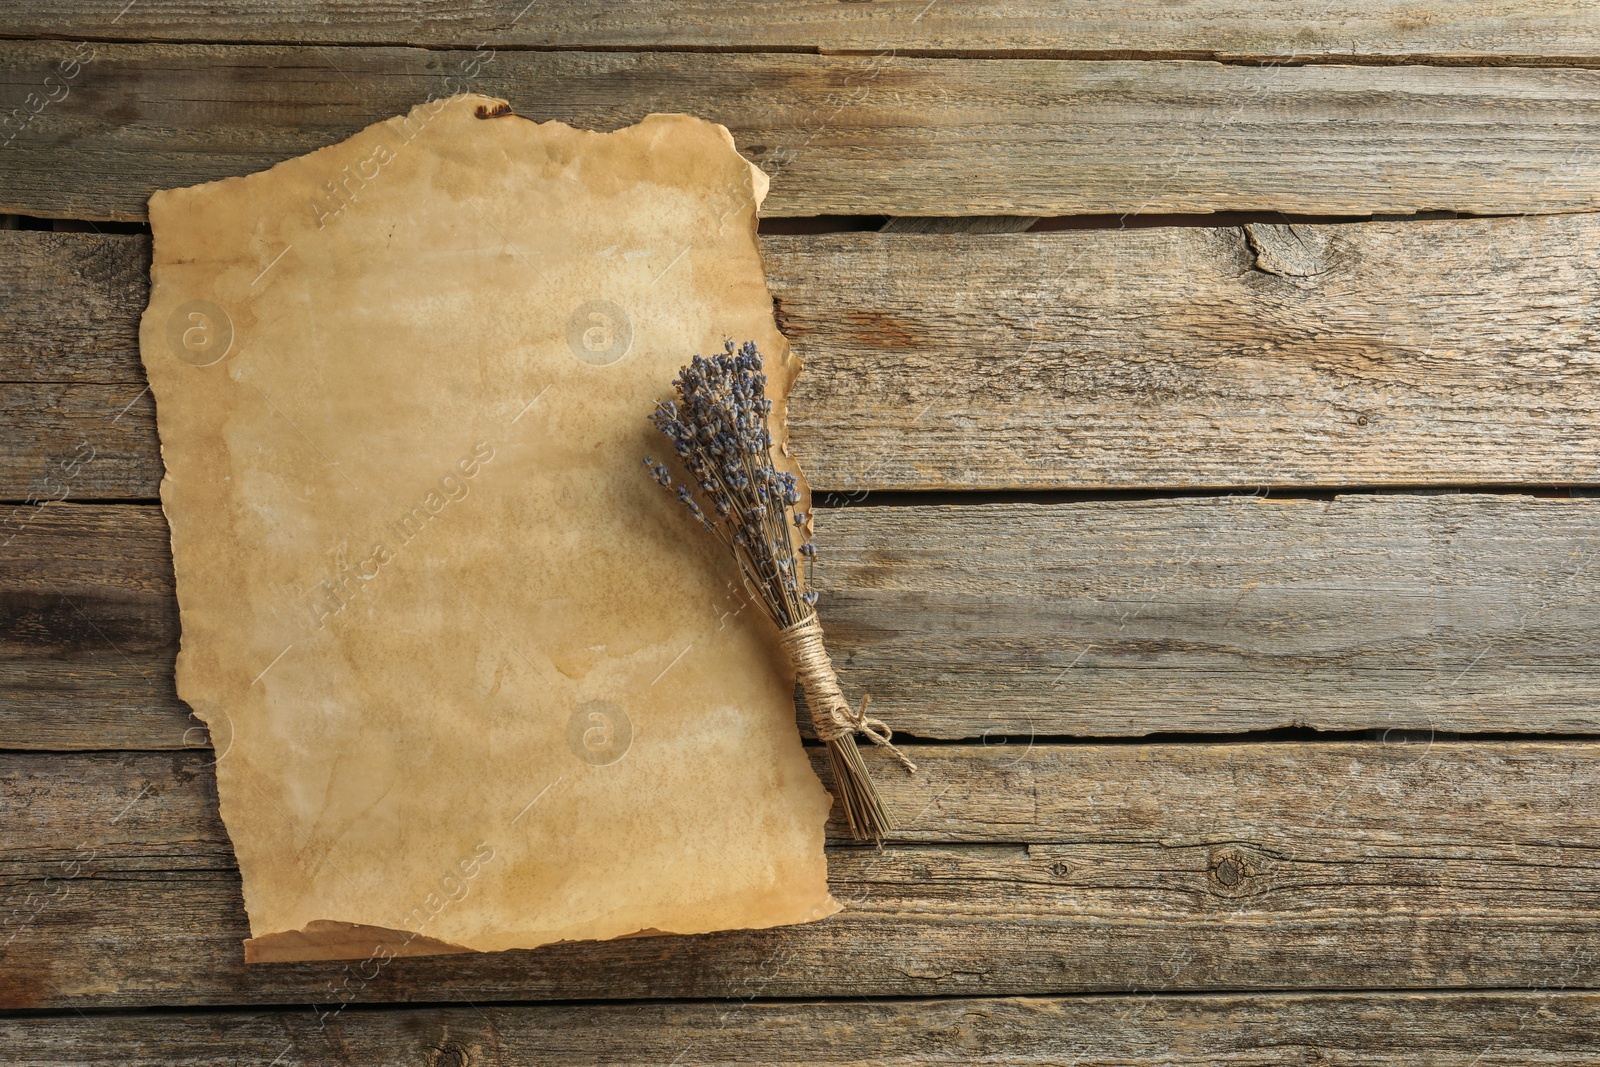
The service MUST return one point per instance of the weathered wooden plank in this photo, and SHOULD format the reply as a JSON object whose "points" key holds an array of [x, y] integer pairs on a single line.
{"points": [[65, 441], [1521, 31], [1453, 352], [72, 306], [1469, 613], [1548, 1027], [89, 631], [1061, 869], [853, 135], [1371, 354]]}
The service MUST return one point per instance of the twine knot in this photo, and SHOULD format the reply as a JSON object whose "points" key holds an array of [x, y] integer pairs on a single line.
{"points": [[831, 714]]}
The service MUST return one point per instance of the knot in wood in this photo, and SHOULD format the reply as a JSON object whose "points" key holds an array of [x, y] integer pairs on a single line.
{"points": [[1288, 251], [1235, 872], [449, 1054]]}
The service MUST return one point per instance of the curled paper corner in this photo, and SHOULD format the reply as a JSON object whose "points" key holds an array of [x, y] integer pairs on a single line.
{"points": [[482, 688]]}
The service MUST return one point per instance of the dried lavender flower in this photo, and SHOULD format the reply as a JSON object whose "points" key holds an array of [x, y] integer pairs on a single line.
{"points": [[718, 429]]}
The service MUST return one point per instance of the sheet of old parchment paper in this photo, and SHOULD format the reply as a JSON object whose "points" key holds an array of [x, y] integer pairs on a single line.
{"points": [[475, 681]]}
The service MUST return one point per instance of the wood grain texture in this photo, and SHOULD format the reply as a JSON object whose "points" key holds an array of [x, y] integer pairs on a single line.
{"points": [[849, 135], [1546, 1027], [1469, 613], [1521, 31], [89, 631], [1063, 869], [1368, 354], [72, 306], [1452, 352], [1456, 613]]}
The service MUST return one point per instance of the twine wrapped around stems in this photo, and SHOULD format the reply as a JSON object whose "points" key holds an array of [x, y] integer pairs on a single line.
{"points": [[836, 723], [718, 429]]}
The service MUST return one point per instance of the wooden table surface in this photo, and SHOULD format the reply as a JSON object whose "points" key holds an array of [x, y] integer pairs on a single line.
{"points": [[1225, 543]]}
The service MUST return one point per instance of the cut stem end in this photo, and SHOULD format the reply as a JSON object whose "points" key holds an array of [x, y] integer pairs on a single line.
{"points": [[864, 810]]}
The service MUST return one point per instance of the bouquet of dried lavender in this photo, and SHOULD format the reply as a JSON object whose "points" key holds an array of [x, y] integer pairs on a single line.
{"points": [[718, 428]]}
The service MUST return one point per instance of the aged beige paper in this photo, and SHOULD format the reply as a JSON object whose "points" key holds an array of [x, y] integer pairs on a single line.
{"points": [[475, 681]]}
